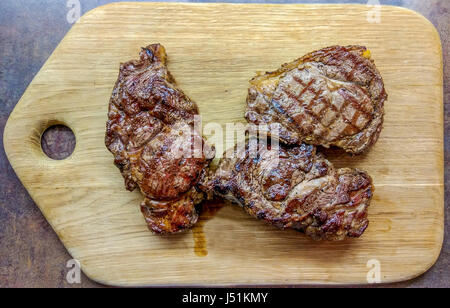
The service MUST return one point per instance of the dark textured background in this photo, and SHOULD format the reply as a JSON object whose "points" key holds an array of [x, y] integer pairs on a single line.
{"points": [[31, 254]]}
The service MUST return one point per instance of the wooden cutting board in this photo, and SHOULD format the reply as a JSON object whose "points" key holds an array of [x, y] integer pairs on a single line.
{"points": [[214, 49]]}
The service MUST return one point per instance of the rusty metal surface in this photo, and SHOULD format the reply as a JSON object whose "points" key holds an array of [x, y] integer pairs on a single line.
{"points": [[31, 254]]}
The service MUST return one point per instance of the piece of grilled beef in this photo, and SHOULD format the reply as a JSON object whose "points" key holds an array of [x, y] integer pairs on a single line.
{"points": [[331, 97], [300, 189], [150, 131]]}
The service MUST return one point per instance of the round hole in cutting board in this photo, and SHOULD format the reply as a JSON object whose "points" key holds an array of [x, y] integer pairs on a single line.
{"points": [[58, 142]]}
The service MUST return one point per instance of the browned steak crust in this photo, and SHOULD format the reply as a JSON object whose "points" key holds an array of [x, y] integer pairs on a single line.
{"points": [[302, 191], [150, 131], [334, 96]]}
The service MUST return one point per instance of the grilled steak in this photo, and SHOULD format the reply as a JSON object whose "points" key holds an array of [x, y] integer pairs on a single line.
{"points": [[150, 131], [300, 189], [334, 96]]}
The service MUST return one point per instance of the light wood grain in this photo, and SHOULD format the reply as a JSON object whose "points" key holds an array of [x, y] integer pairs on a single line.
{"points": [[214, 49]]}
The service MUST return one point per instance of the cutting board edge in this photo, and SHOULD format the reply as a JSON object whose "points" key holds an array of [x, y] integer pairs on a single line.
{"points": [[362, 282], [218, 4]]}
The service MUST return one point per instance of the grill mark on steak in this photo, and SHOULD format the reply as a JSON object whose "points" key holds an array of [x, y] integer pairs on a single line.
{"points": [[302, 192], [355, 104], [150, 132], [335, 96], [317, 118]]}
